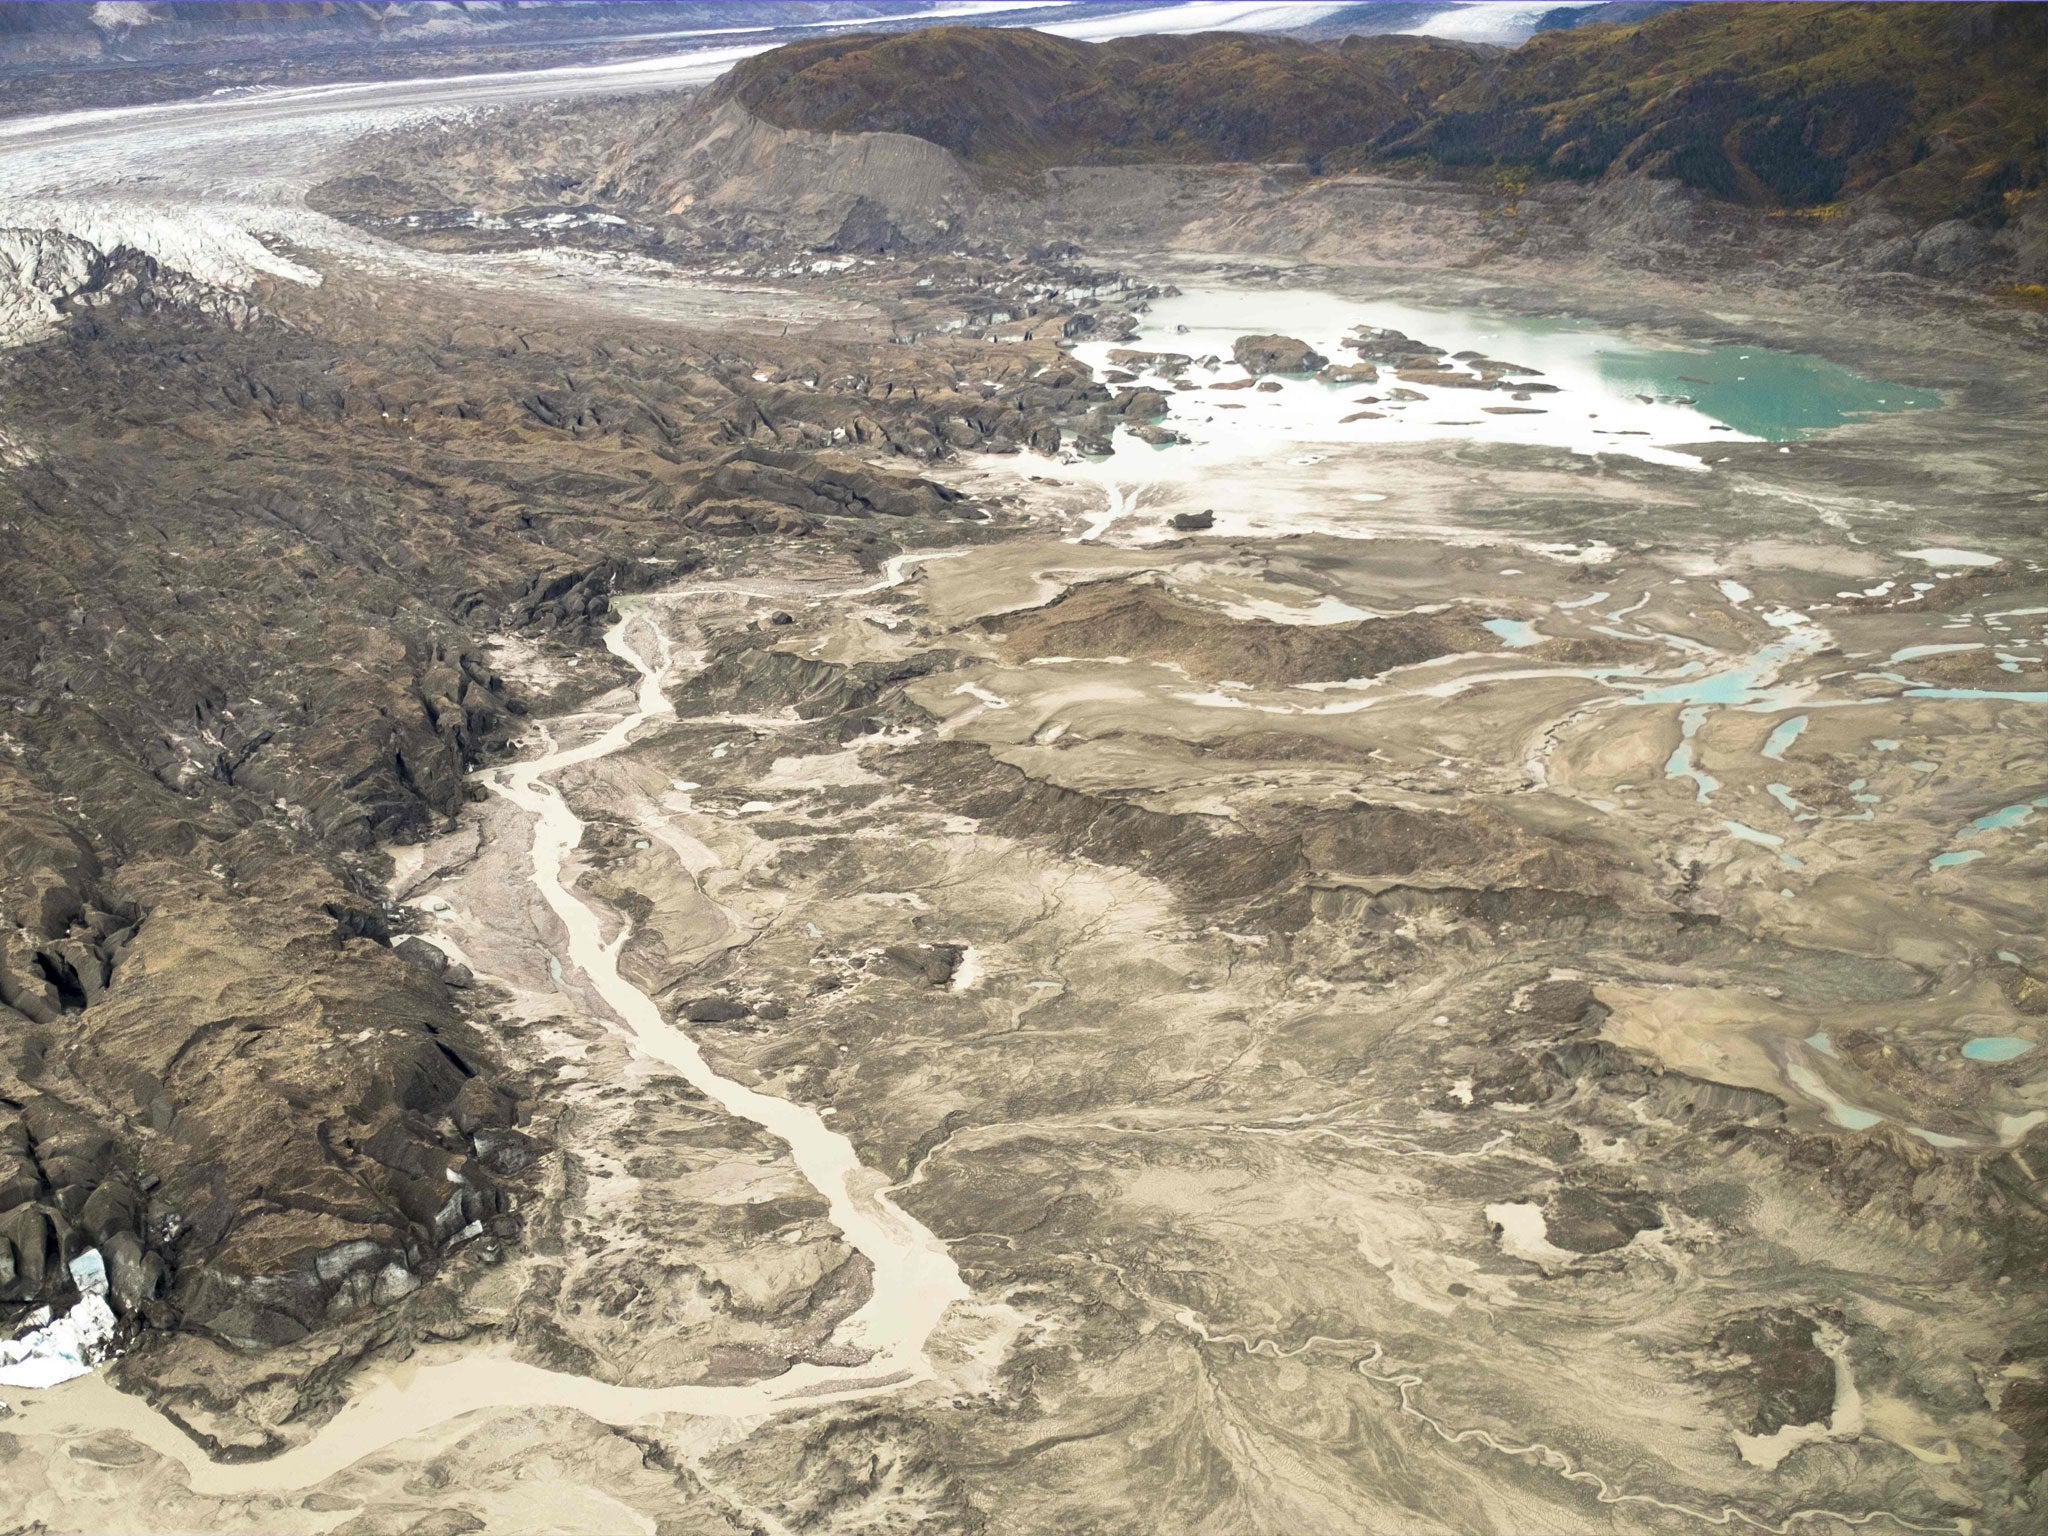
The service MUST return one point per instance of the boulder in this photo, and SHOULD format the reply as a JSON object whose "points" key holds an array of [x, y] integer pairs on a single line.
{"points": [[111, 1209], [1170, 364], [1141, 404], [1393, 348], [1349, 373], [478, 1103], [73, 1149], [25, 986], [430, 958], [1276, 354]]}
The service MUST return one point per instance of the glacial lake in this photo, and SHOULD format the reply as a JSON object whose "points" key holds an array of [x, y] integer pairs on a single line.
{"points": [[1591, 390], [1778, 397]]}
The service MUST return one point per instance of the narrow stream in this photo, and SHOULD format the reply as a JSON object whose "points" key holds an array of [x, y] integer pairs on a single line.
{"points": [[914, 1278]]}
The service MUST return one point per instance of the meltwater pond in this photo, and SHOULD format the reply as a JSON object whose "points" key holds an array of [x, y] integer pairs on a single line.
{"points": [[1996, 1048], [1578, 386]]}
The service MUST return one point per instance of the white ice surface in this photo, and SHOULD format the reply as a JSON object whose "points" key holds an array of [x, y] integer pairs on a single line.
{"points": [[52, 1350]]}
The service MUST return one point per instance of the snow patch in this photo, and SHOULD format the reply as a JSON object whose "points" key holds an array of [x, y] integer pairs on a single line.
{"points": [[109, 14], [1941, 554], [1525, 1234]]}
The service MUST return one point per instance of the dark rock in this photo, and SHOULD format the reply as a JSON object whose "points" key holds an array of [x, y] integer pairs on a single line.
{"points": [[1141, 404], [867, 227], [24, 984], [1598, 1221], [506, 1152], [1276, 354], [480, 1103], [1773, 1371], [1349, 373], [430, 958], [73, 1149], [31, 1236], [1559, 1002], [21, 1180], [714, 1010], [1393, 348], [932, 963], [135, 1276], [1167, 363], [1194, 522], [112, 1208]]}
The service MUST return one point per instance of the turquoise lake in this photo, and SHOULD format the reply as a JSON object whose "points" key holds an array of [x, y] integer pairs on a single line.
{"points": [[1778, 396], [1996, 1047]]}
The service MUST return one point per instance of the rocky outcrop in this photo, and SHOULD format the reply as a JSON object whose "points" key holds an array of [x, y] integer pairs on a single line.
{"points": [[761, 490], [1206, 865], [1141, 620], [840, 192], [747, 675]]}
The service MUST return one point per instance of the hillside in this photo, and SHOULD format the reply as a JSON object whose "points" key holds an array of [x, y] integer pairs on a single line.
{"points": [[1941, 108], [1938, 109], [1019, 101]]}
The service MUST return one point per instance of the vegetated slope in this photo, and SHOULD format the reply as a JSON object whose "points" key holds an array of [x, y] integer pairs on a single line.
{"points": [[1943, 110], [1018, 101]]}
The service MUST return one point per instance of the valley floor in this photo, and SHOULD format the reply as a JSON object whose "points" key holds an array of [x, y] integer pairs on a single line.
{"points": [[1495, 986]]}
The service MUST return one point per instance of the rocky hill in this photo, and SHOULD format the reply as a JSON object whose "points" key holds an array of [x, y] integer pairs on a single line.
{"points": [[1936, 112], [1016, 101]]}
